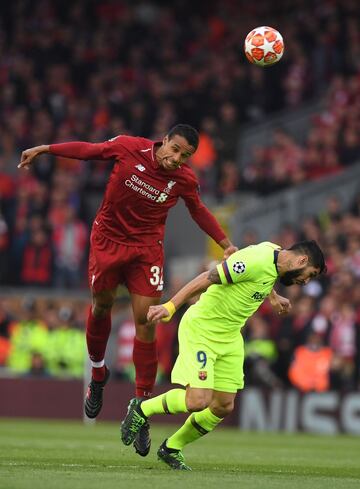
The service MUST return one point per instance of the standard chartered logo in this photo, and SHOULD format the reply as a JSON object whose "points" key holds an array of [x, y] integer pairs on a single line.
{"points": [[145, 189]]}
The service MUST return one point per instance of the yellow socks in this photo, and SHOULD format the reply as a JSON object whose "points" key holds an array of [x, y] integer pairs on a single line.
{"points": [[171, 402], [196, 426]]}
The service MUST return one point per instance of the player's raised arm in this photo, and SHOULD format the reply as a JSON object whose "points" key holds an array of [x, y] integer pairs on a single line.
{"points": [[78, 150], [164, 312]]}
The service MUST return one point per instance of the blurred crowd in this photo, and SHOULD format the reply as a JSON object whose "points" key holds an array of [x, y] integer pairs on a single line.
{"points": [[332, 144], [42, 337], [89, 70]]}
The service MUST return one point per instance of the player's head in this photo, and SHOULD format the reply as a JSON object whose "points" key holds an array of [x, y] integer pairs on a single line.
{"points": [[303, 261], [179, 144], [187, 132]]}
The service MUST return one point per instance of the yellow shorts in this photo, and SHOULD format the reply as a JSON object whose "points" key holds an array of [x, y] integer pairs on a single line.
{"points": [[205, 364]]}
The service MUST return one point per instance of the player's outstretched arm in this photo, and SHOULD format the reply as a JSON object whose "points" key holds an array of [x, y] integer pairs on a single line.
{"points": [[28, 155], [164, 312], [79, 150]]}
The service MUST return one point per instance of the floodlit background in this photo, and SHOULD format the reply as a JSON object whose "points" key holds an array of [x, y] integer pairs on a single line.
{"points": [[279, 160]]}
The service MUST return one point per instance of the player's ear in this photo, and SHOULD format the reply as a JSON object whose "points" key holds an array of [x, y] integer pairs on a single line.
{"points": [[303, 260], [166, 139]]}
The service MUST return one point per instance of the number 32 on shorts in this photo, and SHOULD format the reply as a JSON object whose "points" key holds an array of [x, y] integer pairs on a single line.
{"points": [[157, 277]]}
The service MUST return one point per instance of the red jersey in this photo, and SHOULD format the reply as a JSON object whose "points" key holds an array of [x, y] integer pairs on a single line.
{"points": [[139, 192]]}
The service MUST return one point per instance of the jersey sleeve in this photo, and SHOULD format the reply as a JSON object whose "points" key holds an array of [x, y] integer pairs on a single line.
{"points": [[239, 267], [113, 148], [116, 146]]}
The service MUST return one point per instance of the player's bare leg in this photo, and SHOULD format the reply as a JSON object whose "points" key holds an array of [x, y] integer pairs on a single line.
{"points": [[145, 361], [97, 335]]}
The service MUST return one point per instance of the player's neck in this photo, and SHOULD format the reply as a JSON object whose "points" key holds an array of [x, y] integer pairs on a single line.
{"points": [[158, 153], [284, 262]]}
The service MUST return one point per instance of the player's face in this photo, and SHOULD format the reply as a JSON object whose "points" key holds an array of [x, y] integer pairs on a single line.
{"points": [[299, 276], [174, 152]]}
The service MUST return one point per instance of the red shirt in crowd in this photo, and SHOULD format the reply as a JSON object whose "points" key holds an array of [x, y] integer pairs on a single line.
{"points": [[140, 193]]}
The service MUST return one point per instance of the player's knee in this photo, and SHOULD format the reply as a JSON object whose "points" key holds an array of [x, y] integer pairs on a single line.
{"points": [[141, 320], [100, 310], [222, 409], [195, 404], [145, 332]]}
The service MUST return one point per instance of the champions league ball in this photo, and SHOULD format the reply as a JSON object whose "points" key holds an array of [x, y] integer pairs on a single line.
{"points": [[264, 46]]}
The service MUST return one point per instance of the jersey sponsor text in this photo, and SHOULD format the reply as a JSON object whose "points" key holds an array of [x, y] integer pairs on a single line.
{"points": [[143, 188]]}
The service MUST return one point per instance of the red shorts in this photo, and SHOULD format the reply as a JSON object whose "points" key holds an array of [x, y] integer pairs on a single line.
{"points": [[139, 268]]}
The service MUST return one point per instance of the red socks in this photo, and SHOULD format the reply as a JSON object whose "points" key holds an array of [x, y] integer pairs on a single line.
{"points": [[144, 355], [97, 335], [145, 361]]}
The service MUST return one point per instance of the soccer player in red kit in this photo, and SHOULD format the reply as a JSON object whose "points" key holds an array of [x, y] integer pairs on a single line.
{"points": [[126, 244]]}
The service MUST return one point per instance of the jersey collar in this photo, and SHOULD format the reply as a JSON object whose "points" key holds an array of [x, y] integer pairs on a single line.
{"points": [[155, 146], [276, 255]]}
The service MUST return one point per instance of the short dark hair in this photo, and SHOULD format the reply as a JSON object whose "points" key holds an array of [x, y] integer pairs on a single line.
{"points": [[188, 132], [313, 251]]}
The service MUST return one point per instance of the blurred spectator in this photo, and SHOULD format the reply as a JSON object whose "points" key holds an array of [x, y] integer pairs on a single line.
{"points": [[331, 214], [260, 354], [342, 341], [70, 239], [37, 366], [65, 349], [37, 260], [28, 336], [292, 332], [310, 368], [203, 161], [228, 182]]}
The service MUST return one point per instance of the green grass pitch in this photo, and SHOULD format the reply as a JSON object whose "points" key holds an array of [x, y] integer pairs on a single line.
{"points": [[59, 455]]}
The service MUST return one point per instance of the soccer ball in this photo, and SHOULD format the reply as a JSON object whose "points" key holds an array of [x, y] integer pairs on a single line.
{"points": [[264, 46]]}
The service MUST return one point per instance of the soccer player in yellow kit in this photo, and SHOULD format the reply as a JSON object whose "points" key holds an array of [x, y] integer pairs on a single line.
{"points": [[211, 348]]}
